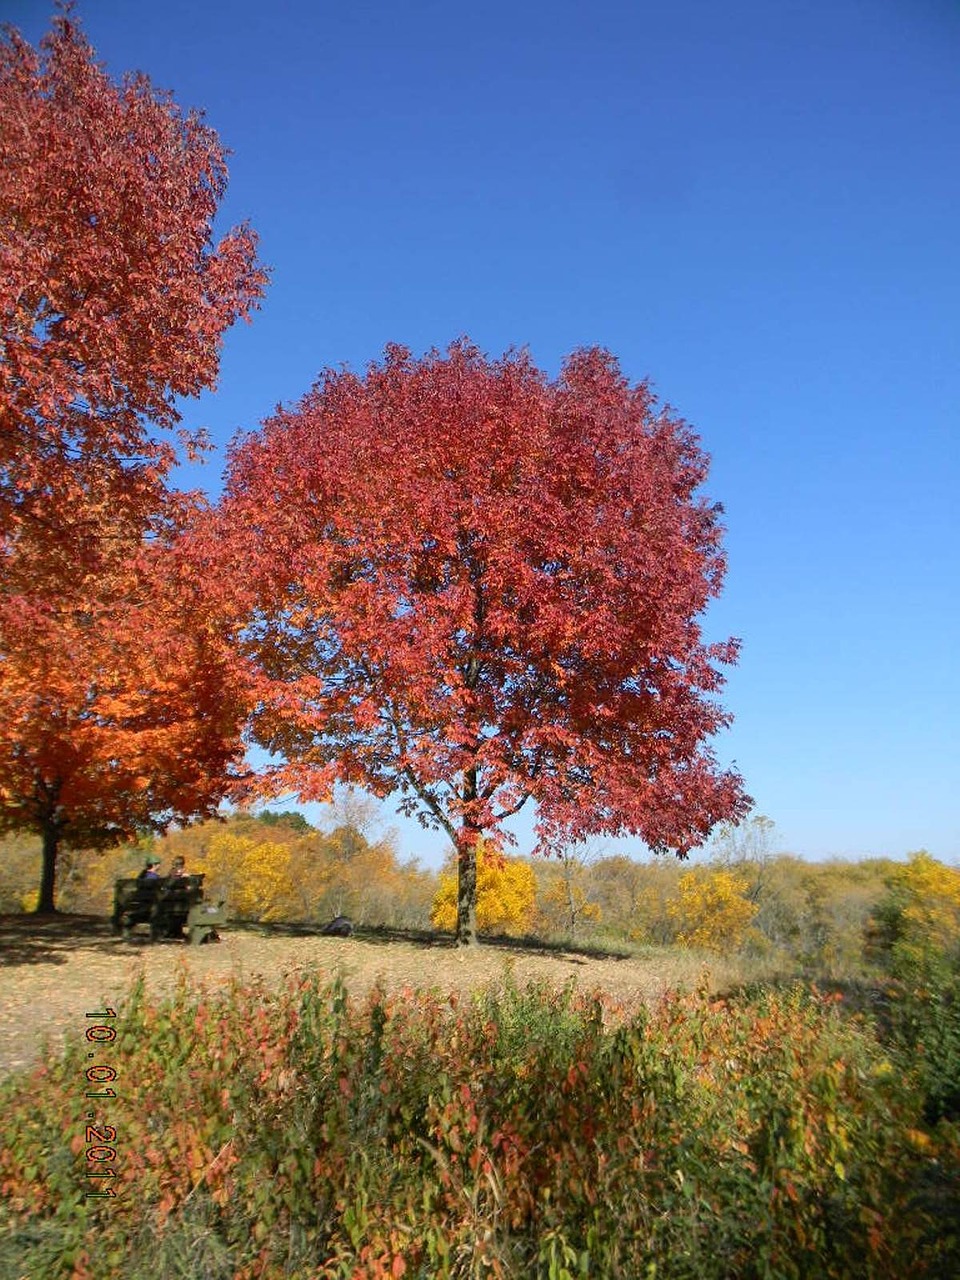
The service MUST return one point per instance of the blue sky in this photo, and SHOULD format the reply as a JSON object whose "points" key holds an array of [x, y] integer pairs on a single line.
{"points": [[755, 204]]}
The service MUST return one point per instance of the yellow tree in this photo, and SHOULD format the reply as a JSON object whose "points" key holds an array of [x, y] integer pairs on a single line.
{"points": [[712, 910], [506, 894], [254, 875], [916, 926]]}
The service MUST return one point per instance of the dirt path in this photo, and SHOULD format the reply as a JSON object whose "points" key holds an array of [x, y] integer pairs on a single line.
{"points": [[55, 970]]}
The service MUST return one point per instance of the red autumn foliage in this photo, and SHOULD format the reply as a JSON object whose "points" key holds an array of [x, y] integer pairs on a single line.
{"points": [[117, 707], [477, 587], [113, 298]]}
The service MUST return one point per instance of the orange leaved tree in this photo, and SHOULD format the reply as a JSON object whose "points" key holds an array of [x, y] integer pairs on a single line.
{"points": [[114, 298], [115, 717], [478, 588]]}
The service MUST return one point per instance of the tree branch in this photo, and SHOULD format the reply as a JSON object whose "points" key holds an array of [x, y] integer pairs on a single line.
{"points": [[430, 801], [508, 813], [419, 788]]}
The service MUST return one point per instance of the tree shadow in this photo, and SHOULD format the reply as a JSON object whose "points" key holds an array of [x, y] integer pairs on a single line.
{"points": [[862, 995], [578, 952], [28, 939], [385, 935], [381, 934]]}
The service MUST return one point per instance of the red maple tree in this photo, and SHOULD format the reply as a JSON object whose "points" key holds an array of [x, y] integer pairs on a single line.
{"points": [[463, 582], [117, 709], [113, 297]]}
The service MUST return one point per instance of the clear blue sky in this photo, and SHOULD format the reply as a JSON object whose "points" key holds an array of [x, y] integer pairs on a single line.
{"points": [[756, 204]]}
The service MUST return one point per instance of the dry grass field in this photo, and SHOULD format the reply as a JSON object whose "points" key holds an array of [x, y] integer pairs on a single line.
{"points": [[54, 970]]}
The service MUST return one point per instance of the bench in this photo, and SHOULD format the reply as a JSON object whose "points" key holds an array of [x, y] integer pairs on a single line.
{"points": [[168, 905]]}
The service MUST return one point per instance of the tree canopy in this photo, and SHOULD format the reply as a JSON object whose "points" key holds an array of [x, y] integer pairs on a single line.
{"points": [[113, 298], [117, 718], [460, 581], [116, 707]]}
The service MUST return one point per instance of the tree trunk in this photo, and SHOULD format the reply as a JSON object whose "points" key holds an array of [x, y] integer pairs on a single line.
{"points": [[467, 865], [467, 888], [48, 870], [571, 901]]}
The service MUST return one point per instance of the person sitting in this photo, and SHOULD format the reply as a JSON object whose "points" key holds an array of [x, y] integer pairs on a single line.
{"points": [[178, 868], [136, 907], [150, 871]]}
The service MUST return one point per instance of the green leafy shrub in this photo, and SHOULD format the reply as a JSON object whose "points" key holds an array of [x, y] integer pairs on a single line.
{"points": [[914, 936], [518, 1133]]}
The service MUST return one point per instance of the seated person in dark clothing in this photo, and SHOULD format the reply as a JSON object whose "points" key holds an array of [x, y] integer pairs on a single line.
{"points": [[150, 871], [178, 869]]}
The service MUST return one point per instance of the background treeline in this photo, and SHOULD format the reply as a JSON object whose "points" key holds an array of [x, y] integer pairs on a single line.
{"points": [[273, 867], [821, 918]]}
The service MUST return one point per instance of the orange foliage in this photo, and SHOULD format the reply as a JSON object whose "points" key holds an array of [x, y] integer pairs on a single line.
{"points": [[118, 717], [117, 709]]}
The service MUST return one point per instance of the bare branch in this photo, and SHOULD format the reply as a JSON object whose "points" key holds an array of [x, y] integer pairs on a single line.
{"points": [[508, 813]]}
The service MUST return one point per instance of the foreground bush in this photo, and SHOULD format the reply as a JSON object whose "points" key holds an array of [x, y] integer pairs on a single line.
{"points": [[517, 1134]]}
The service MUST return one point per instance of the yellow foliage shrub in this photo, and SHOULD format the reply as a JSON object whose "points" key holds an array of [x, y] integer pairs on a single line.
{"points": [[933, 898], [506, 895], [919, 920], [253, 875], [711, 909]]}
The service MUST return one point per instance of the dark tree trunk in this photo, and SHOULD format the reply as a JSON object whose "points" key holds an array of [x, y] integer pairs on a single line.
{"points": [[470, 831], [48, 870], [467, 889], [467, 866]]}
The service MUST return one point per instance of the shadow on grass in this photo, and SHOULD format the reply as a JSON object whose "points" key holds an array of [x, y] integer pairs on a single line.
{"points": [[29, 939], [864, 995], [384, 935], [49, 939]]}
